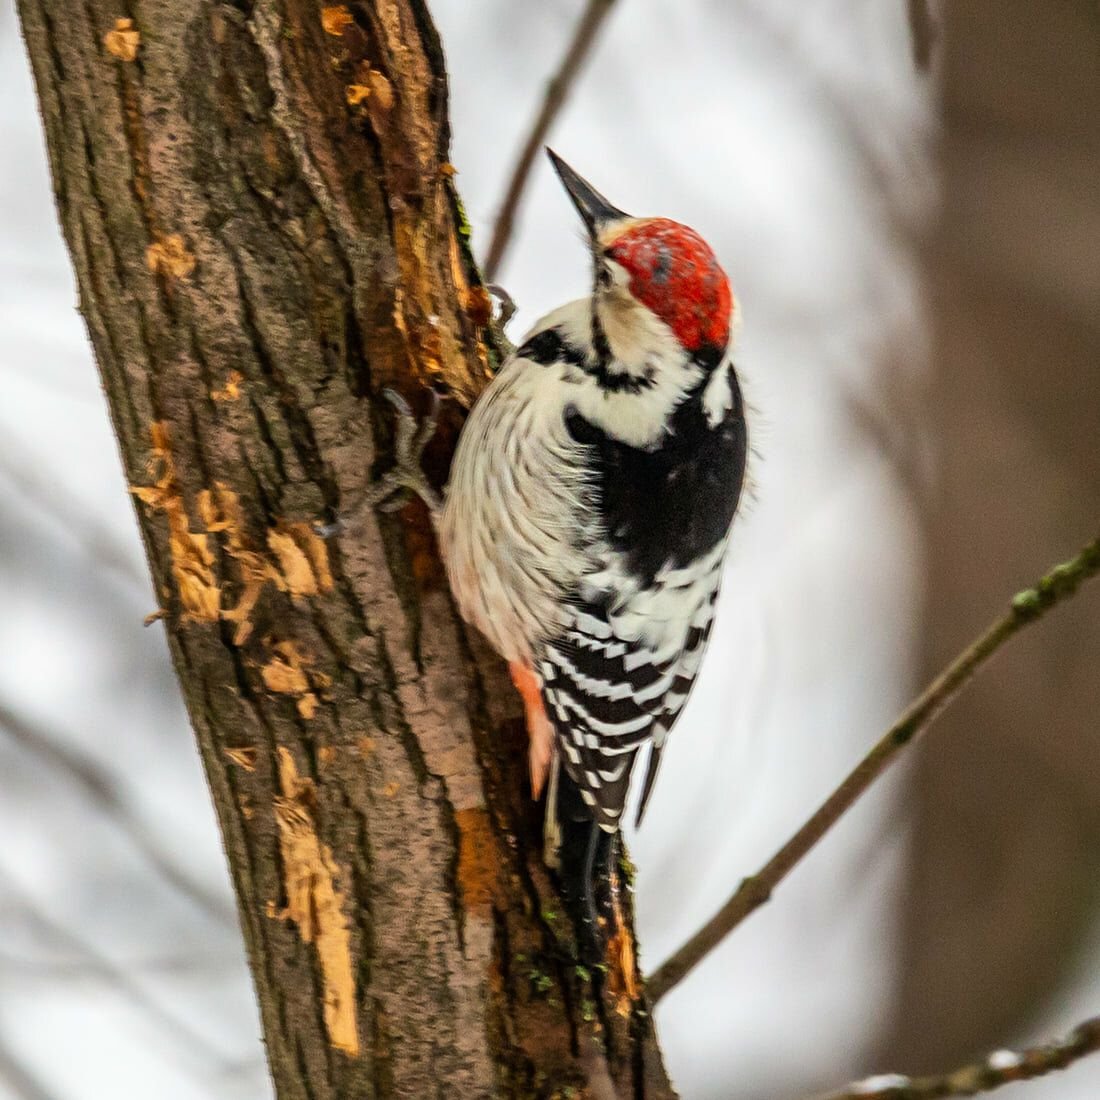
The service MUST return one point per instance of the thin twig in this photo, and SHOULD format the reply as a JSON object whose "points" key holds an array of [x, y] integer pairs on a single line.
{"points": [[923, 33], [21, 1082], [1001, 1068], [37, 967], [557, 91], [50, 498], [187, 1041], [1027, 607], [100, 787]]}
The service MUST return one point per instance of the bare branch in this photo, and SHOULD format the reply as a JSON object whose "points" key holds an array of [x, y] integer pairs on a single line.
{"points": [[99, 787], [1027, 607], [19, 1080], [187, 1042], [557, 91], [43, 968], [52, 499], [923, 33], [1002, 1067]]}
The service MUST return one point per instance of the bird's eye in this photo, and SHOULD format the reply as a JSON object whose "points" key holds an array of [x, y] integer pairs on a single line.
{"points": [[603, 275]]}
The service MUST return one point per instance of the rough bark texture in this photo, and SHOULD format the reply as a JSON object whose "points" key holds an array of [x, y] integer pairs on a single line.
{"points": [[264, 232]]}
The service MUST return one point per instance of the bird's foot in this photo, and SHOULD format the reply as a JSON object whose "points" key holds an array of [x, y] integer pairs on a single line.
{"points": [[505, 314], [388, 494], [410, 439], [507, 303]]}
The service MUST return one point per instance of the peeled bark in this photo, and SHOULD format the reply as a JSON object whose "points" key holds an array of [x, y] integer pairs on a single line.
{"points": [[265, 235]]}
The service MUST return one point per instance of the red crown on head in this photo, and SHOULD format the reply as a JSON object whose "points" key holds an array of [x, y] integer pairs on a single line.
{"points": [[674, 273]]}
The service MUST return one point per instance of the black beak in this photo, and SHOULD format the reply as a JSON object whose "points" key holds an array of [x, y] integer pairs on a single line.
{"points": [[596, 211]]}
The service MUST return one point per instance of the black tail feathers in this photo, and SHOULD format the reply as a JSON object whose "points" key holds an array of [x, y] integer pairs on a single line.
{"points": [[586, 866]]}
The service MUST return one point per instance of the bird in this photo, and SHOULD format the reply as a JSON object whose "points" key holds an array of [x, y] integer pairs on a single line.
{"points": [[589, 507]]}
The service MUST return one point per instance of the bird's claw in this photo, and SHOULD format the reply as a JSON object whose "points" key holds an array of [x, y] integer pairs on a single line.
{"points": [[507, 303], [327, 530], [410, 439], [506, 313]]}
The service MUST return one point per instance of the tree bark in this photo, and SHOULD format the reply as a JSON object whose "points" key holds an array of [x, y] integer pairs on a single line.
{"points": [[260, 213]]}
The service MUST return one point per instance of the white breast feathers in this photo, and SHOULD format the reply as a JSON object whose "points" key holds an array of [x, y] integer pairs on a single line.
{"points": [[518, 511]]}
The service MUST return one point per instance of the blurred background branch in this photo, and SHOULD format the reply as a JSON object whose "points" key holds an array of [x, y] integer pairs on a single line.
{"points": [[104, 546], [20, 1082], [1029, 606], [1003, 1067], [923, 32], [190, 1045], [100, 787], [557, 92]]}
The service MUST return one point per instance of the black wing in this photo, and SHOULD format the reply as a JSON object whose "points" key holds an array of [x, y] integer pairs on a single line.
{"points": [[607, 696], [667, 512]]}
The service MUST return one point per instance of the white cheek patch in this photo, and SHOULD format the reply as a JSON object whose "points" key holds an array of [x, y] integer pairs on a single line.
{"points": [[643, 348], [620, 277], [517, 497]]}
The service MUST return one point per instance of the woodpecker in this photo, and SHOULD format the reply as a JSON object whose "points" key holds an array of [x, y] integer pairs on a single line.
{"points": [[590, 502]]}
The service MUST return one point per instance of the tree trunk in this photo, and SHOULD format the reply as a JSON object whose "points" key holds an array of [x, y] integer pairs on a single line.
{"points": [[265, 234]]}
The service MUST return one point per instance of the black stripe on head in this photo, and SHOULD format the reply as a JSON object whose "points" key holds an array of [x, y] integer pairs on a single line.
{"points": [[550, 346], [600, 344], [622, 381]]}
